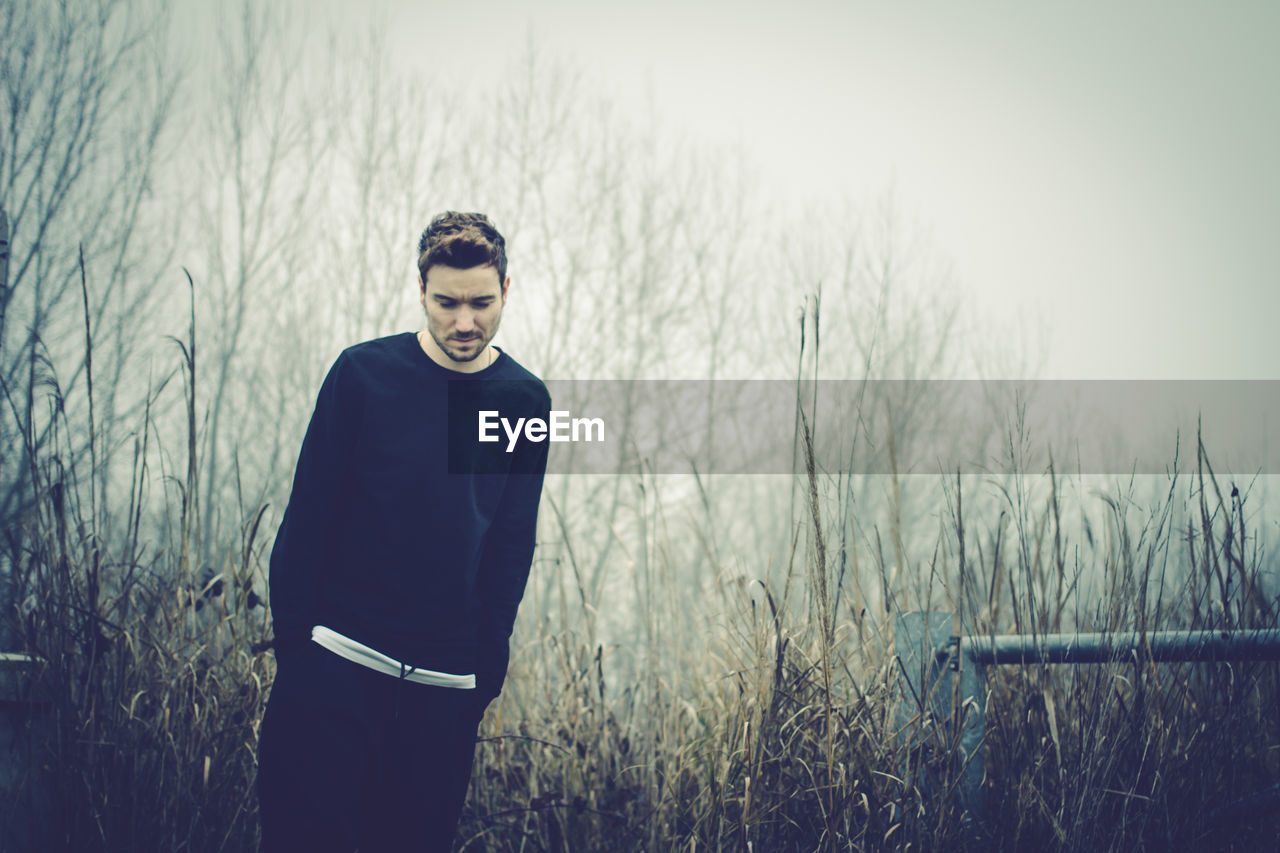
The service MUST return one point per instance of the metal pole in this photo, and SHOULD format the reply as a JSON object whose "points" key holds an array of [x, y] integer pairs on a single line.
{"points": [[1104, 647], [973, 721], [969, 656]]}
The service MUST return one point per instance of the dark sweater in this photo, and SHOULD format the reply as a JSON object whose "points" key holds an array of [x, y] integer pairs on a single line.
{"points": [[402, 531]]}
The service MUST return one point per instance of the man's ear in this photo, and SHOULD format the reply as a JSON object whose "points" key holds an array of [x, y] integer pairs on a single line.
{"points": [[422, 286], [506, 284]]}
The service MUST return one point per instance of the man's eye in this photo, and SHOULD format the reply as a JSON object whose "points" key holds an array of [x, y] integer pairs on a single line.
{"points": [[446, 304]]}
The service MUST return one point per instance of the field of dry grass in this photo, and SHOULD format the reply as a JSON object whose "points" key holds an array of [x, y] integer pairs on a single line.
{"points": [[760, 708]]}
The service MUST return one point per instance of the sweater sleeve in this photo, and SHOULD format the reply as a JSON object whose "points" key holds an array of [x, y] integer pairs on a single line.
{"points": [[309, 524], [505, 563]]}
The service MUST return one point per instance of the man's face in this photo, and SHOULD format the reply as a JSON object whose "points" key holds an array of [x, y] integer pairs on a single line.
{"points": [[463, 308]]}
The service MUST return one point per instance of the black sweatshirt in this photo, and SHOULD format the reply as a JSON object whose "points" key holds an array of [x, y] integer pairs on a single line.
{"points": [[402, 531]]}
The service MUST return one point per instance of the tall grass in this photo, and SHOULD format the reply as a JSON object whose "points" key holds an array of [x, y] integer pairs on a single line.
{"points": [[758, 707], [151, 672], [790, 730]]}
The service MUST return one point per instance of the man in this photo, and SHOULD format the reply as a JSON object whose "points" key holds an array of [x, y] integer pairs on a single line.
{"points": [[398, 568]]}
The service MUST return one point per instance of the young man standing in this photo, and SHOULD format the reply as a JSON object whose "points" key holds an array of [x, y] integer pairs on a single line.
{"points": [[398, 569]]}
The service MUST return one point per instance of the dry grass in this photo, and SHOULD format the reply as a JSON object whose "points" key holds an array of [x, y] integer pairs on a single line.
{"points": [[142, 725], [761, 713], [784, 729]]}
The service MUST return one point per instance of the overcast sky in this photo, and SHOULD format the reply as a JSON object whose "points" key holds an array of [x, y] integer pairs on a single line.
{"points": [[1109, 173]]}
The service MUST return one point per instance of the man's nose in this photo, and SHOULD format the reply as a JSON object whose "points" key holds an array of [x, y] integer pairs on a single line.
{"points": [[466, 320]]}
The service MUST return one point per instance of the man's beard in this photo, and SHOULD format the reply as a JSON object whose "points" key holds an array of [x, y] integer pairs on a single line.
{"points": [[453, 356], [465, 358]]}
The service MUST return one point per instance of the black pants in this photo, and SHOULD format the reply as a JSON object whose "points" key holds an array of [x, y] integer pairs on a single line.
{"points": [[349, 758]]}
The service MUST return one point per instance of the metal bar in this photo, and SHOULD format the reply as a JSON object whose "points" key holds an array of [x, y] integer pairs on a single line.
{"points": [[1104, 647], [969, 656], [973, 709]]}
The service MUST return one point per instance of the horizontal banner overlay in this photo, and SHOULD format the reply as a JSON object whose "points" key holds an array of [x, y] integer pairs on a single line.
{"points": [[870, 427]]}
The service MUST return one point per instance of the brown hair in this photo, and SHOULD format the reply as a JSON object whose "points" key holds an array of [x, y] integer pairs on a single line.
{"points": [[462, 241]]}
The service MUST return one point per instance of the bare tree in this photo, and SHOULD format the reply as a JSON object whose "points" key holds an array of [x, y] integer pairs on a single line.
{"points": [[86, 94], [262, 157], [395, 141]]}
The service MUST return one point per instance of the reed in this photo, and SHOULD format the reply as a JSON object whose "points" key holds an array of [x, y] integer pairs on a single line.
{"points": [[753, 706], [141, 722]]}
